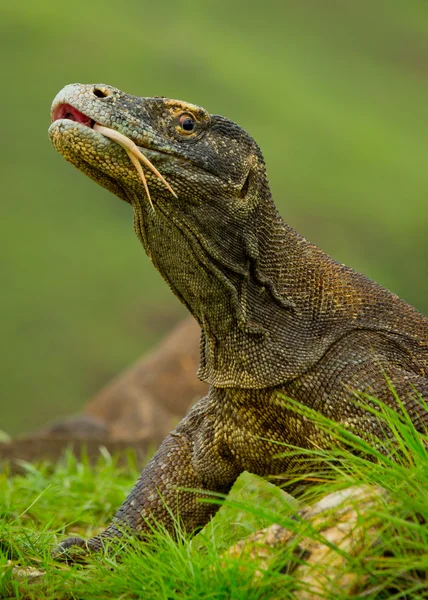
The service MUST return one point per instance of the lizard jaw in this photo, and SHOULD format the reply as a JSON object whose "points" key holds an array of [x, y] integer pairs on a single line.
{"points": [[66, 111]]}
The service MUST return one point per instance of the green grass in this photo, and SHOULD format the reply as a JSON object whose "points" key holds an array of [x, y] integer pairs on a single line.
{"points": [[48, 502]]}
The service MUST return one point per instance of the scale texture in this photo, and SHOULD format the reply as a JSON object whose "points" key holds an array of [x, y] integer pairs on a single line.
{"points": [[279, 317]]}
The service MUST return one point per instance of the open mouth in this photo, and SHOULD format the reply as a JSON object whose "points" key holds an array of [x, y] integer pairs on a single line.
{"points": [[66, 111]]}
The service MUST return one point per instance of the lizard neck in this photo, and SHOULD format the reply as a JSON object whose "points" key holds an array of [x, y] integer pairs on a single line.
{"points": [[235, 275], [269, 302]]}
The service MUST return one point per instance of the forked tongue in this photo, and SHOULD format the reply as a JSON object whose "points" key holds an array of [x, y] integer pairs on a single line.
{"points": [[135, 156]]}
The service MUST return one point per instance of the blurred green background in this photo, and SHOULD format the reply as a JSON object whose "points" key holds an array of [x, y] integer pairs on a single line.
{"points": [[336, 94]]}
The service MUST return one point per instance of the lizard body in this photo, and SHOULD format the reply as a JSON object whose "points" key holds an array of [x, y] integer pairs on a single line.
{"points": [[278, 316]]}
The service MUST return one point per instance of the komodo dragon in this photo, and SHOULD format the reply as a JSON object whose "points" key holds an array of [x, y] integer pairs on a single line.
{"points": [[278, 316]]}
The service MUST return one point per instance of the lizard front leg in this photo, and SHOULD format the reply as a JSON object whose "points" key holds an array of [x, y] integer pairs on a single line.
{"points": [[193, 457]]}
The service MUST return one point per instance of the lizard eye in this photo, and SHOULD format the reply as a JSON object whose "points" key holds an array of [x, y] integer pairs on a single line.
{"points": [[187, 123]]}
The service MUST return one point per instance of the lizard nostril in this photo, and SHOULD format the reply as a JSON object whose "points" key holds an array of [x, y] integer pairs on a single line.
{"points": [[101, 93]]}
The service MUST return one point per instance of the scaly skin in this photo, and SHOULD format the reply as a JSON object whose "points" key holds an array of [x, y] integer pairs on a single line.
{"points": [[278, 316]]}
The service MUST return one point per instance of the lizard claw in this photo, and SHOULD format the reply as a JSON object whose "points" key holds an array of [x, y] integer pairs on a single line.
{"points": [[73, 549]]}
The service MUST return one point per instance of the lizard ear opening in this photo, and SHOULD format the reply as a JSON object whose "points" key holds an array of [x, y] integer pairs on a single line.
{"points": [[244, 189]]}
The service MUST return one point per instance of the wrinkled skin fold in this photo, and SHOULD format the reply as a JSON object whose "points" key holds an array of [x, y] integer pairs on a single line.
{"points": [[278, 316]]}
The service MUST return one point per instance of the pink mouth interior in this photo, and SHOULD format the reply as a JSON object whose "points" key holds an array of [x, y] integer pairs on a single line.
{"points": [[66, 111]]}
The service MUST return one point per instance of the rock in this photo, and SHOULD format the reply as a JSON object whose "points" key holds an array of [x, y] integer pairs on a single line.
{"points": [[136, 410], [29, 574], [327, 536], [147, 400], [77, 427]]}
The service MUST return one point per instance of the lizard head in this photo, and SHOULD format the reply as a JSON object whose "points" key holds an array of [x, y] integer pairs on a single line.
{"points": [[198, 154], [200, 200]]}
